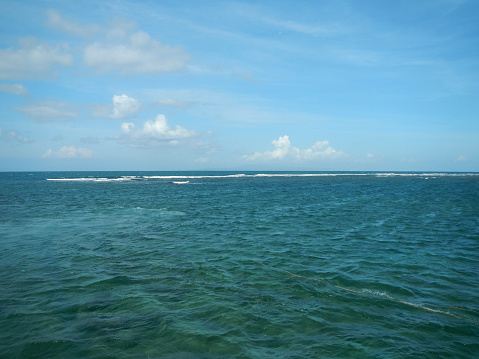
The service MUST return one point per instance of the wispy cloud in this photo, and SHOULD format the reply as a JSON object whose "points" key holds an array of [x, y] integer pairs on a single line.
{"points": [[303, 28], [32, 59], [90, 140], [56, 21], [52, 110], [168, 102], [260, 14], [135, 53], [15, 89], [16, 136], [120, 47]]}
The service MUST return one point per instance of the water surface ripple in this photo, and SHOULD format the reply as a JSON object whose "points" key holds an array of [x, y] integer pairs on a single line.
{"points": [[239, 265]]}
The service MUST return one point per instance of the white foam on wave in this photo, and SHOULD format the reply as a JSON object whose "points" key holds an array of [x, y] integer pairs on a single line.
{"points": [[427, 175], [196, 176], [307, 174], [376, 293], [258, 175], [96, 179]]}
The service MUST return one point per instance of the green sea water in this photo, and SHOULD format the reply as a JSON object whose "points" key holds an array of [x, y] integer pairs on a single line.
{"points": [[239, 265]]}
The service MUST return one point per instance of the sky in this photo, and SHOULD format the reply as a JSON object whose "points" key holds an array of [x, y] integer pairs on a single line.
{"points": [[341, 85]]}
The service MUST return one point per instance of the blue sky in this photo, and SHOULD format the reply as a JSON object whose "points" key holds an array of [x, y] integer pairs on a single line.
{"points": [[238, 85]]}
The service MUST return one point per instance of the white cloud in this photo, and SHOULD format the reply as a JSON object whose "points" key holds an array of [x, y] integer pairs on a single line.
{"points": [[18, 137], [254, 12], [167, 102], [461, 158], [32, 59], [283, 150], [14, 135], [365, 58], [135, 53], [15, 89], [202, 160], [120, 28], [154, 133], [69, 27], [124, 106], [68, 152], [90, 140], [302, 28], [48, 111]]}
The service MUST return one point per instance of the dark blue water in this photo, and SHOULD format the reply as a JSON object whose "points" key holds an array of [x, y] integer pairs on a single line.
{"points": [[221, 265]]}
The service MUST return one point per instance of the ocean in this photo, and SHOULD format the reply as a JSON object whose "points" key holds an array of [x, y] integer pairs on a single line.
{"points": [[239, 265]]}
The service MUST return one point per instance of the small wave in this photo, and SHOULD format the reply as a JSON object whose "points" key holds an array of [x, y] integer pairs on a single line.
{"points": [[161, 211], [376, 293], [181, 182]]}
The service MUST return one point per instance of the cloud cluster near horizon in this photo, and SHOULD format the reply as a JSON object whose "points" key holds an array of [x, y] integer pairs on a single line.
{"points": [[68, 152], [284, 150], [14, 135]]}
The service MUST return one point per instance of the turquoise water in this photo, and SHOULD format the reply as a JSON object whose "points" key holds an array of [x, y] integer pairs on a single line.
{"points": [[229, 265]]}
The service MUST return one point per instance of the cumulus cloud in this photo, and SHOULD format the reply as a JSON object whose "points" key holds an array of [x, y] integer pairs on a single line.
{"points": [[154, 133], [32, 59], [15, 89], [135, 53], [124, 106], [48, 111], [283, 150], [56, 21], [68, 152]]}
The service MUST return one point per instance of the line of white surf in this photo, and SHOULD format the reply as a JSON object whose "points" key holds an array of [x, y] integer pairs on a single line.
{"points": [[264, 175]]}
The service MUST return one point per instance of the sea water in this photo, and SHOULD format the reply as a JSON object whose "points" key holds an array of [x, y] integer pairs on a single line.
{"points": [[239, 265]]}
